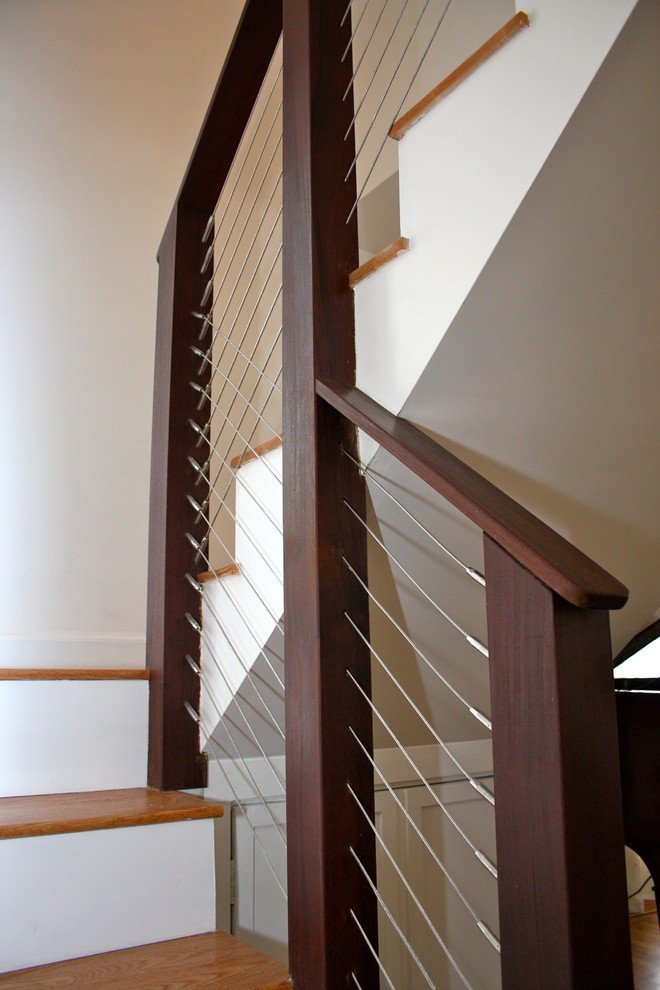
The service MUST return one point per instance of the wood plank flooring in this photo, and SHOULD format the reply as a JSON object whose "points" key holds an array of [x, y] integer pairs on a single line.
{"points": [[645, 938], [221, 962], [214, 960]]}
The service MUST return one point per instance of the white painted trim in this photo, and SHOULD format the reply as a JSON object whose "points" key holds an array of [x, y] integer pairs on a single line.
{"points": [[93, 650]]}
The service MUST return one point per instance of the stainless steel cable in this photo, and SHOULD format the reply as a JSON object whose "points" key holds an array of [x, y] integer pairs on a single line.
{"points": [[246, 257], [447, 683], [248, 624], [476, 784], [219, 332], [372, 950], [479, 854], [471, 572], [472, 640], [354, 32], [199, 547], [228, 236], [236, 169], [220, 712], [212, 746], [205, 394], [248, 325], [483, 928], [214, 451], [406, 883], [397, 112], [247, 672], [210, 285], [392, 920], [370, 84]]}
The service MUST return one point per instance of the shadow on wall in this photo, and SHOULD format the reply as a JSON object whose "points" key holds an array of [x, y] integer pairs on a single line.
{"points": [[547, 379]]}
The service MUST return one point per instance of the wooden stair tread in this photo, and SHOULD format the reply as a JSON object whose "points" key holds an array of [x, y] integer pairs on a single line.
{"points": [[393, 250], [222, 572], [52, 814], [511, 28], [215, 960], [72, 674], [258, 450]]}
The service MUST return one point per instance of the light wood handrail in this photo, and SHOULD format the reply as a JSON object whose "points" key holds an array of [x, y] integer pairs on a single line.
{"points": [[551, 558]]}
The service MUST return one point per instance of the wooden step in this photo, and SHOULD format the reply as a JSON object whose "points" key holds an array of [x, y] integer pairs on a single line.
{"points": [[259, 449], [71, 674], [222, 572], [511, 28], [53, 814], [393, 250], [214, 960]]}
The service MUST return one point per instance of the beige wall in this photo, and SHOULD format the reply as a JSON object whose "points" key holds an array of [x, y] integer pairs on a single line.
{"points": [[100, 103]]}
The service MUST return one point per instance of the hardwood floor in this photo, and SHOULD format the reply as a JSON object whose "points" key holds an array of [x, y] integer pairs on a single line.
{"points": [[215, 960], [645, 937], [220, 961]]}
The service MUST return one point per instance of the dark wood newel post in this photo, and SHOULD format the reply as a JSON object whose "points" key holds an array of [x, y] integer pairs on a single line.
{"points": [[320, 248], [563, 907], [174, 757]]}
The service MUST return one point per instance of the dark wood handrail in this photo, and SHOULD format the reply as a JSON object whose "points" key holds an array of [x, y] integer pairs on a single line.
{"points": [[550, 557], [238, 86]]}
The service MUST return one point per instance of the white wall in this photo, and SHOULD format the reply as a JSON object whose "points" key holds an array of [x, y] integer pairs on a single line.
{"points": [[100, 103]]}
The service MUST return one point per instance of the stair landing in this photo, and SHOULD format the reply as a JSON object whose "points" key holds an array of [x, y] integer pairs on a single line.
{"points": [[214, 960]]}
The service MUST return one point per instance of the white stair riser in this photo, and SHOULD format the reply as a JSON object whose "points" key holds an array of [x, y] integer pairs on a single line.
{"points": [[72, 895], [62, 736]]}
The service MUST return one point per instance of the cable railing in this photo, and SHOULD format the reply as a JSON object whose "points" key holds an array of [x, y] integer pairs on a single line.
{"points": [[414, 857], [237, 489]]}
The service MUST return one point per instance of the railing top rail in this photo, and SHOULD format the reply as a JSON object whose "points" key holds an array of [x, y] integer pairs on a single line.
{"points": [[550, 557], [242, 75]]}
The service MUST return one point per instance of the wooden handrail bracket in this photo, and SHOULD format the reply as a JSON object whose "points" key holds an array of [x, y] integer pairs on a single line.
{"points": [[511, 28], [393, 250], [551, 558]]}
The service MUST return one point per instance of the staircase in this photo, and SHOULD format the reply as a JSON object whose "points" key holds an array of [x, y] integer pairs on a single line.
{"points": [[105, 863], [102, 831]]}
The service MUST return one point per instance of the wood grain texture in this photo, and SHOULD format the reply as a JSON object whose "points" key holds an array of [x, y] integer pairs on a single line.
{"points": [[540, 549], [320, 249], [393, 250], [215, 960], [638, 715], [559, 823], [206, 576], [410, 118], [645, 940], [70, 674], [231, 105], [258, 450], [52, 814], [175, 760]]}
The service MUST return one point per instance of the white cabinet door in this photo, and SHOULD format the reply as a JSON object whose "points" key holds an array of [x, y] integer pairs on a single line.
{"points": [[259, 912], [419, 837]]}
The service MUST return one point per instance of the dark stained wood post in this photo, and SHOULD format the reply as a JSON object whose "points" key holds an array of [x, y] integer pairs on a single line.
{"points": [[559, 827], [320, 249], [174, 757]]}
